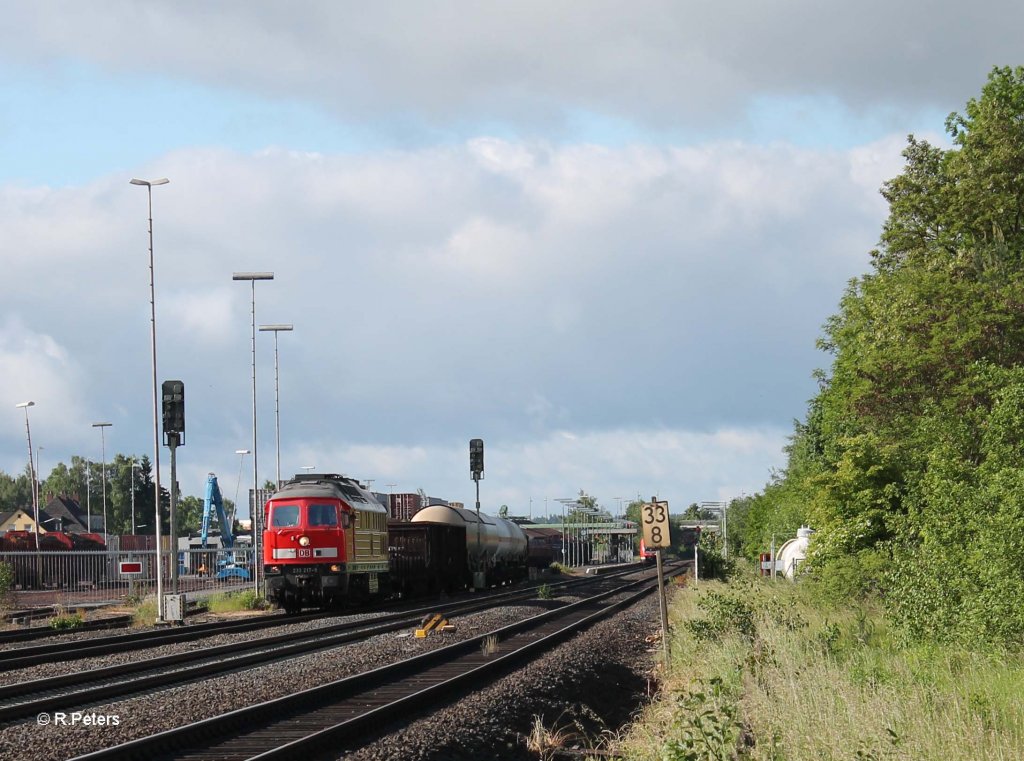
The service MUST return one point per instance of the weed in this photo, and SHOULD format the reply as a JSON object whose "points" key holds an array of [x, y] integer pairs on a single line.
{"points": [[229, 602], [706, 726], [549, 743], [544, 592], [64, 621], [489, 645], [724, 614]]}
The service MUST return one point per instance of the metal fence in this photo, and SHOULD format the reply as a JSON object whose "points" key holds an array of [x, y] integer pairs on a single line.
{"points": [[96, 578]]}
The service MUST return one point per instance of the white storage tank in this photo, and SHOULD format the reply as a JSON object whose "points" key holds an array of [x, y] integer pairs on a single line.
{"points": [[793, 552]]}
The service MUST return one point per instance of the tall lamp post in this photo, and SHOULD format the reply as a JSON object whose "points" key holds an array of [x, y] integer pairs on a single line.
{"points": [[103, 449], [238, 484], [39, 472], [135, 465], [148, 184], [256, 508], [32, 474], [277, 390]]}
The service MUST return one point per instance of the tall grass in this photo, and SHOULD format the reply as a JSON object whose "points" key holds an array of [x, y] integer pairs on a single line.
{"points": [[758, 671], [232, 602]]}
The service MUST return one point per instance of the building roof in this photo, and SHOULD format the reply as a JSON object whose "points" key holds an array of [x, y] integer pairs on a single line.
{"points": [[65, 513]]}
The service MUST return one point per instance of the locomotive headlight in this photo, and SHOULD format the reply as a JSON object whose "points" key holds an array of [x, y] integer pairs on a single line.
{"points": [[303, 541], [335, 568]]}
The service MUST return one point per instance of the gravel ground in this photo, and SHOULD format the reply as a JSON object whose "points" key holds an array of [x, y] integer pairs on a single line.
{"points": [[591, 685], [165, 709], [57, 668]]}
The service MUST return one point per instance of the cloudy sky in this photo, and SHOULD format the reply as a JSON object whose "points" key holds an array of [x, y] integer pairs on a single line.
{"points": [[602, 236]]}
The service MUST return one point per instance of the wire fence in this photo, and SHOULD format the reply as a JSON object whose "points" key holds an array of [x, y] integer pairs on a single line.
{"points": [[110, 576]]}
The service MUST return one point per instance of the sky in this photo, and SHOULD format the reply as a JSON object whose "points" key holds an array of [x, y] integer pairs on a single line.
{"points": [[601, 236]]}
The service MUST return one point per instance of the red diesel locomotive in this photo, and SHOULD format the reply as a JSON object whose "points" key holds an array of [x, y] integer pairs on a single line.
{"points": [[325, 540]]}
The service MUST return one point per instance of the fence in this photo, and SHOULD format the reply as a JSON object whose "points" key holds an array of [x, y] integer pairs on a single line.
{"points": [[94, 577]]}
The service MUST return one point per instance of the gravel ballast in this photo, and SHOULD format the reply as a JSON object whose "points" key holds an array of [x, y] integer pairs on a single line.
{"points": [[593, 682]]}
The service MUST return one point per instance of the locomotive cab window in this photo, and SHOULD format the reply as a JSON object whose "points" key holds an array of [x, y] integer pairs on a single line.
{"points": [[323, 515], [284, 516]]}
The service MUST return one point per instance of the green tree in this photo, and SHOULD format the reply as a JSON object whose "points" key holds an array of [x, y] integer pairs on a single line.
{"points": [[906, 450], [16, 491], [190, 515]]}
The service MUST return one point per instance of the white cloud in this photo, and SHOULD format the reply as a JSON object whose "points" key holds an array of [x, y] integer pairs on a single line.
{"points": [[582, 289], [39, 369], [682, 466]]}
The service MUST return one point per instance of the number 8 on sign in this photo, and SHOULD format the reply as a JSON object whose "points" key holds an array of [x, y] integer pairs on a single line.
{"points": [[655, 524]]}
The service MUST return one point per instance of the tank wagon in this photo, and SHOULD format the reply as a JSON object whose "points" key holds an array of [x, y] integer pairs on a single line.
{"points": [[494, 546], [327, 540]]}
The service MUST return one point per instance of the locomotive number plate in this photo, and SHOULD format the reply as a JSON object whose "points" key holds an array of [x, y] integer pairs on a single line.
{"points": [[300, 569]]}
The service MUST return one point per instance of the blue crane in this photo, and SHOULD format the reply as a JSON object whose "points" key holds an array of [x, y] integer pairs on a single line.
{"points": [[214, 499], [227, 536]]}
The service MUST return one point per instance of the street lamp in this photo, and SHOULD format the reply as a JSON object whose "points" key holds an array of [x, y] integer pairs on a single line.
{"points": [[238, 484], [255, 510], [277, 391], [39, 471], [103, 445], [31, 470], [148, 184], [135, 465]]}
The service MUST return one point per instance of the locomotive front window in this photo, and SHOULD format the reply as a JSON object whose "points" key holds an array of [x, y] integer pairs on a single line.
{"points": [[284, 516], [323, 515]]}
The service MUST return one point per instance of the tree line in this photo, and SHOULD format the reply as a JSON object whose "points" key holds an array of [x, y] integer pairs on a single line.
{"points": [[83, 482], [908, 461]]}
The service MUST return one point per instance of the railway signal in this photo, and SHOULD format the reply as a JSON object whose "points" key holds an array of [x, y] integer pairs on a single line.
{"points": [[174, 437], [476, 458], [174, 412], [476, 468]]}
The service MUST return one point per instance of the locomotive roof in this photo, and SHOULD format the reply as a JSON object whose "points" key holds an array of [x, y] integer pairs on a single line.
{"points": [[328, 486]]}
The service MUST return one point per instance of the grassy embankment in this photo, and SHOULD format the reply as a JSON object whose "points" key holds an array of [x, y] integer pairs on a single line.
{"points": [[762, 671]]}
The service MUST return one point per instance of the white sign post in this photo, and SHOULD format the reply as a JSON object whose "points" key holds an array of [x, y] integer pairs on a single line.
{"points": [[654, 522]]}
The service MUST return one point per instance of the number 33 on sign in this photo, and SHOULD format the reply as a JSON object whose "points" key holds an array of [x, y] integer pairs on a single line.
{"points": [[654, 519]]}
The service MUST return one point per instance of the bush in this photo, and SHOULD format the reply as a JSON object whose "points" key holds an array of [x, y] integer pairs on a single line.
{"points": [[838, 581], [712, 565], [67, 621], [724, 614], [544, 592], [6, 583]]}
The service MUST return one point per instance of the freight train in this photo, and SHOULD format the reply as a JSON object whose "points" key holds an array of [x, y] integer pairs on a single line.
{"points": [[327, 540]]}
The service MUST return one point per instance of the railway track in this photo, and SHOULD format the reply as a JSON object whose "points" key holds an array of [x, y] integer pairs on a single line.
{"points": [[29, 633], [25, 699], [32, 655], [334, 714]]}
